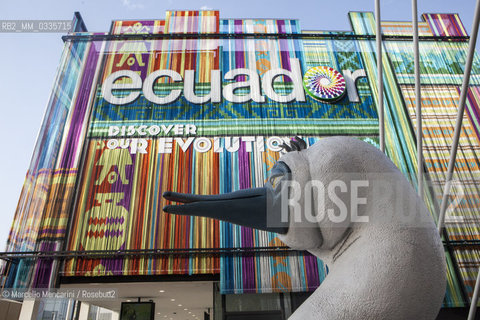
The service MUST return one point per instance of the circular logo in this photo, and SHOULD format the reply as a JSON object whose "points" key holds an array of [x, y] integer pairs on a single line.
{"points": [[324, 83]]}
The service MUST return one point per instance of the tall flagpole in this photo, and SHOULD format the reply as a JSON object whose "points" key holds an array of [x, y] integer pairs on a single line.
{"points": [[381, 121], [418, 100]]}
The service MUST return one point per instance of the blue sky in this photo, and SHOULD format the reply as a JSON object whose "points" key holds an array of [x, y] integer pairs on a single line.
{"points": [[28, 61]]}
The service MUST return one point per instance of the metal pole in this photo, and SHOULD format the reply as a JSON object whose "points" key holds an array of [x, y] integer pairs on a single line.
{"points": [[418, 100], [381, 121], [461, 109], [473, 304]]}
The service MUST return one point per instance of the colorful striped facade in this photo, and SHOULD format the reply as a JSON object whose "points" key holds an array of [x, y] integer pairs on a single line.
{"points": [[92, 189]]}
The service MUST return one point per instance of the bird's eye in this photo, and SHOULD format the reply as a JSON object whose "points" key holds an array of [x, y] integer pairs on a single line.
{"points": [[275, 180], [280, 171]]}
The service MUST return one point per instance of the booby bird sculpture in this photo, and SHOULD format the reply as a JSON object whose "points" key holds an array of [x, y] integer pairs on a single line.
{"points": [[386, 259]]}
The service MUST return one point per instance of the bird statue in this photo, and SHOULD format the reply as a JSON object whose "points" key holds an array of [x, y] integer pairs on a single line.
{"points": [[345, 202]]}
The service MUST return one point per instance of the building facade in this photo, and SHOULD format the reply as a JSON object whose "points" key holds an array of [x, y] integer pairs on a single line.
{"points": [[196, 103]]}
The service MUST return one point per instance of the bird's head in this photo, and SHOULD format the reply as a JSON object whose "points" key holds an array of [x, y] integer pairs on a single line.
{"points": [[289, 203]]}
